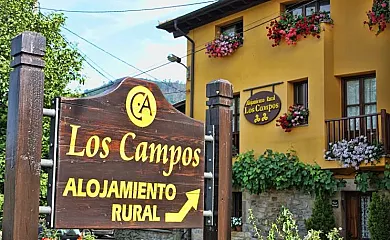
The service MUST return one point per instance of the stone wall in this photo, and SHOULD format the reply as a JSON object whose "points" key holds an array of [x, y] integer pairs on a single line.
{"points": [[266, 207], [180, 234], [197, 234]]}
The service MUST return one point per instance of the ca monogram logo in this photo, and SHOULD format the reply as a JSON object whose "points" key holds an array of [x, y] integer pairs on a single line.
{"points": [[141, 106]]}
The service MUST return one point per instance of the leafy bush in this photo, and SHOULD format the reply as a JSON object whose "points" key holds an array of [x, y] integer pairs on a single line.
{"points": [[89, 236], [285, 228], [379, 217], [63, 63], [322, 217], [280, 171], [377, 180]]}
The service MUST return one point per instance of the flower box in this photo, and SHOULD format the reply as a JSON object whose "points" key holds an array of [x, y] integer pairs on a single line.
{"points": [[293, 28], [224, 45], [354, 152], [297, 115], [379, 15]]}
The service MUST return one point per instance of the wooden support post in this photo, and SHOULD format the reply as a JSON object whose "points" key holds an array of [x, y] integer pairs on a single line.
{"points": [[219, 114], [24, 138]]}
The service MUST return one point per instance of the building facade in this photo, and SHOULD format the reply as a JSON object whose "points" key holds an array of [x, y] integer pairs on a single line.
{"points": [[341, 76]]}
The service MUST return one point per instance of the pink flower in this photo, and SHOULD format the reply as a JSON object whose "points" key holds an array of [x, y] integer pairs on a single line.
{"points": [[384, 5]]}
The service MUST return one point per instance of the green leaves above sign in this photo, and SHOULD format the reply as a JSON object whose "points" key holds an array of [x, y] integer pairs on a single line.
{"points": [[281, 171]]}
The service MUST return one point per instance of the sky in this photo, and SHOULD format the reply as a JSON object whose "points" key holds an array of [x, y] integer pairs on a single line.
{"points": [[131, 36]]}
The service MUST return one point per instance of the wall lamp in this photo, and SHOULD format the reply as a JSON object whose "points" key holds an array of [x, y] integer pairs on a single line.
{"points": [[174, 58]]}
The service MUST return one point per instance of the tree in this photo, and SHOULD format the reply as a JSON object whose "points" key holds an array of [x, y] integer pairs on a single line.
{"points": [[63, 62], [322, 217], [379, 217]]}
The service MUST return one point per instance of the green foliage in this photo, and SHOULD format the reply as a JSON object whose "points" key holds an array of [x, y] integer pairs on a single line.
{"points": [[285, 228], [322, 218], [379, 217], [280, 171], [364, 180], [89, 236], [313, 235], [43, 188], [47, 232], [1, 207], [378, 180], [63, 62], [253, 222]]}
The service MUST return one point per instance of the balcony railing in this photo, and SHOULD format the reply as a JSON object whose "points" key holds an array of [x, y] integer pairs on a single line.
{"points": [[376, 127]]}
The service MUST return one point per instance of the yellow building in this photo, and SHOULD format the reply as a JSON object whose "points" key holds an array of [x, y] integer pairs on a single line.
{"points": [[342, 78]]}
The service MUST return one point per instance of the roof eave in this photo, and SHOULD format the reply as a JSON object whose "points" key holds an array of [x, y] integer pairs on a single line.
{"points": [[207, 14]]}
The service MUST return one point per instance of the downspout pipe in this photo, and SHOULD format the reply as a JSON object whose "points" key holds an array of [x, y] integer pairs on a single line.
{"points": [[192, 68]]}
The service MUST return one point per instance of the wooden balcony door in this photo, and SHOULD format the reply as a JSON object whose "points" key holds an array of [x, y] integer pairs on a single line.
{"points": [[357, 205], [359, 95]]}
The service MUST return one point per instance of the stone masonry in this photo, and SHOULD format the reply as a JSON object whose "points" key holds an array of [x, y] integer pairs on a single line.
{"points": [[266, 207], [138, 234]]}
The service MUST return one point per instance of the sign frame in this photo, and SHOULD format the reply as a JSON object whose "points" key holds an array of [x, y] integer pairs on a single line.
{"points": [[266, 103], [172, 215]]}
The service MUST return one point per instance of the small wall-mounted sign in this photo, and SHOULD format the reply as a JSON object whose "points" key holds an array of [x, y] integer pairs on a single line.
{"points": [[335, 203], [262, 107]]}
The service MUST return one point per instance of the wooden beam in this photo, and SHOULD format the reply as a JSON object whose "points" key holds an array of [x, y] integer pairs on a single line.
{"points": [[24, 138], [220, 94]]}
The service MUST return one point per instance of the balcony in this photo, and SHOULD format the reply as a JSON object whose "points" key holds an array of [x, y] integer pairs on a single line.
{"points": [[376, 127]]}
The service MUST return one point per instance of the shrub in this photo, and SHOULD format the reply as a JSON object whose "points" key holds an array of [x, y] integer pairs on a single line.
{"points": [[379, 217], [280, 171], [285, 228], [322, 217]]}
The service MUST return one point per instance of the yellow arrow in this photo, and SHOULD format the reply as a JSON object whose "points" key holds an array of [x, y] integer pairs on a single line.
{"points": [[192, 202]]}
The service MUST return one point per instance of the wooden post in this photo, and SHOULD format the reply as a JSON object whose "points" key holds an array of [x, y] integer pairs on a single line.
{"points": [[219, 114], [24, 138]]}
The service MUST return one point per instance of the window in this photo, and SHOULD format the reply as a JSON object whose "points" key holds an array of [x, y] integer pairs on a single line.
{"points": [[236, 124], [237, 204], [301, 94], [232, 29], [307, 8], [360, 98]]}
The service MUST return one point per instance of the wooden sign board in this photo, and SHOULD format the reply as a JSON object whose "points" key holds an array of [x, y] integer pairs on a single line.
{"points": [[128, 159], [262, 107]]}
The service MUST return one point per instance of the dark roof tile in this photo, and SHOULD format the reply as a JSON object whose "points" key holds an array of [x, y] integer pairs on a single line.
{"points": [[207, 14]]}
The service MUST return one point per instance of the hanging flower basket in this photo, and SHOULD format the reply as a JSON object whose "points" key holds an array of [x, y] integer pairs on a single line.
{"points": [[224, 45], [297, 115], [293, 28], [354, 152], [379, 15]]}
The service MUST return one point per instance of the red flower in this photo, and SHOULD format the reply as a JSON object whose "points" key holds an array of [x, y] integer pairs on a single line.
{"points": [[378, 16], [291, 29]]}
